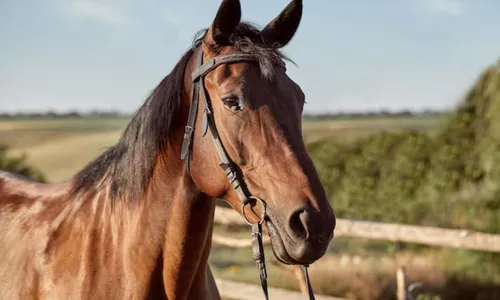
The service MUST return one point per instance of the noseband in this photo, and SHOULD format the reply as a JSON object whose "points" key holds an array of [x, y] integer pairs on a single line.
{"points": [[235, 178]]}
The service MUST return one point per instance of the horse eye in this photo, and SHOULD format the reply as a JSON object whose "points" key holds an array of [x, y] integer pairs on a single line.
{"points": [[232, 102]]}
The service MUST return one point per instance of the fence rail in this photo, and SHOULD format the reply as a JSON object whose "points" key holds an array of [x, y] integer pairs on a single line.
{"points": [[432, 236]]}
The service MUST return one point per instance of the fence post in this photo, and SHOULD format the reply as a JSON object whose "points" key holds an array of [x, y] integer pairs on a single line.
{"points": [[401, 284], [300, 279]]}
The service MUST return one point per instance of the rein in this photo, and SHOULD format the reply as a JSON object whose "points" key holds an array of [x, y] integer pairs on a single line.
{"points": [[235, 178]]}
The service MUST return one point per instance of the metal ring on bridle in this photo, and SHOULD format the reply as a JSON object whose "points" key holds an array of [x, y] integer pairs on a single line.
{"points": [[264, 210]]}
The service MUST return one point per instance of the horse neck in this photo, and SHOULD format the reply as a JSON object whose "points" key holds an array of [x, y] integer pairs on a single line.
{"points": [[167, 231], [189, 220], [175, 218], [180, 218], [188, 235]]}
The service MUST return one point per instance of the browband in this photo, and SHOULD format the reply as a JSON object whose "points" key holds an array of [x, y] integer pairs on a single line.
{"points": [[220, 60]]}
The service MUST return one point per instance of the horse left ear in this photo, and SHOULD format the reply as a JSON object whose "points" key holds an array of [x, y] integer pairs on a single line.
{"points": [[281, 30]]}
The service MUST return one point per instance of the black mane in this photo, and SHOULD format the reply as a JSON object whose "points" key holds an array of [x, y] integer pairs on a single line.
{"points": [[129, 164]]}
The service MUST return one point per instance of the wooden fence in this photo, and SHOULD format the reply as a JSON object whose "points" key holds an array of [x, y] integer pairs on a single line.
{"points": [[432, 236]]}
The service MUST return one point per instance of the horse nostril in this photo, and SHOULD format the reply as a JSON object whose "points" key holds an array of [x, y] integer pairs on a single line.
{"points": [[297, 224]]}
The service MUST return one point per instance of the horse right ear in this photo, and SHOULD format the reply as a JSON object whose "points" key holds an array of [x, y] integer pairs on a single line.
{"points": [[281, 30], [227, 18]]}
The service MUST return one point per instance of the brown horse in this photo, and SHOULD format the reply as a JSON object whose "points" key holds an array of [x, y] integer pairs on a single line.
{"points": [[136, 223]]}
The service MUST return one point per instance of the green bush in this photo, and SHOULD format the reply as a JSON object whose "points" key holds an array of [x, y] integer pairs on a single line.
{"points": [[411, 177], [18, 165], [451, 179], [368, 172]]}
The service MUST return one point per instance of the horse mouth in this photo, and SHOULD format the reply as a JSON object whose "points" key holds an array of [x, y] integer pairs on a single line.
{"points": [[278, 244]]}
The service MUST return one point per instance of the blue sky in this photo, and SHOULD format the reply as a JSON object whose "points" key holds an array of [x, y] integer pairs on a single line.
{"points": [[351, 55]]}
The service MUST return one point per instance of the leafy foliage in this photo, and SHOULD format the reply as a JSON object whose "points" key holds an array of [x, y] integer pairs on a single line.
{"points": [[402, 176], [450, 179], [18, 165]]}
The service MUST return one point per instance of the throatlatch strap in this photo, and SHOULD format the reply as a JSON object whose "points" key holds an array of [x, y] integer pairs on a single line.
{"points": [[193, 112]]}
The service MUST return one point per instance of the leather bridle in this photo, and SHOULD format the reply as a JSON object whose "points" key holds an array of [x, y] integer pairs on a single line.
{"points": [[235, 178]]}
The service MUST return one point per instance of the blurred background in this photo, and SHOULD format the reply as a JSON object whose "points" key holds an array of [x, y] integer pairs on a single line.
{"points": [[402, 119]]}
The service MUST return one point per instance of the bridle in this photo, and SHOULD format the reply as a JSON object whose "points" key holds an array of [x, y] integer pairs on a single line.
{"points": [[235, 178]]}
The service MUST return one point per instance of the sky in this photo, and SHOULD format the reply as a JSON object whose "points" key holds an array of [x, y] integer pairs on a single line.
{"points": [[353, 55]]}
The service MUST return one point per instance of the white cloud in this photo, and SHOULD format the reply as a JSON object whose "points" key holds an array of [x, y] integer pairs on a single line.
{"points": [[98, 10], [442, 7]]}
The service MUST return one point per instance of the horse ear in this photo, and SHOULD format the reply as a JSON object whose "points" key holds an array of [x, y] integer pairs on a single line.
{"points": [[227, 18], [281, 30]]}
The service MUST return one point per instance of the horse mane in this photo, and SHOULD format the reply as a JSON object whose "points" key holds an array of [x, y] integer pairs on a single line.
{"points": [[129, 164]]}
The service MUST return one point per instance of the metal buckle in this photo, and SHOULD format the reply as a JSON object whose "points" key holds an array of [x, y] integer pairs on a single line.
{"points": [[188, 131], [264, 210]]}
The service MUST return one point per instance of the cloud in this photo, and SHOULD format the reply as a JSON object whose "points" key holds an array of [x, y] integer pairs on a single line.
{"points": [[442, 7], [97, 10]]}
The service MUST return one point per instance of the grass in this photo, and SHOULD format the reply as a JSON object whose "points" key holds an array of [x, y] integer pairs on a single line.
{"points": [[34, 133], [349, 130], [61, 147]]}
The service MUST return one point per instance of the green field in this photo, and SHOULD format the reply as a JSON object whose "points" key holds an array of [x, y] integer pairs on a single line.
{"points": [[60, 147]]}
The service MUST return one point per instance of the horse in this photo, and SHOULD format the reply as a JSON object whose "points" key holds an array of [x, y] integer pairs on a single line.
{"points": [[137, 221]]}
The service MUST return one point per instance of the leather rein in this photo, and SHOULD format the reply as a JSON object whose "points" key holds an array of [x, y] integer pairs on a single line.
{"points": [[235, 178]]}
